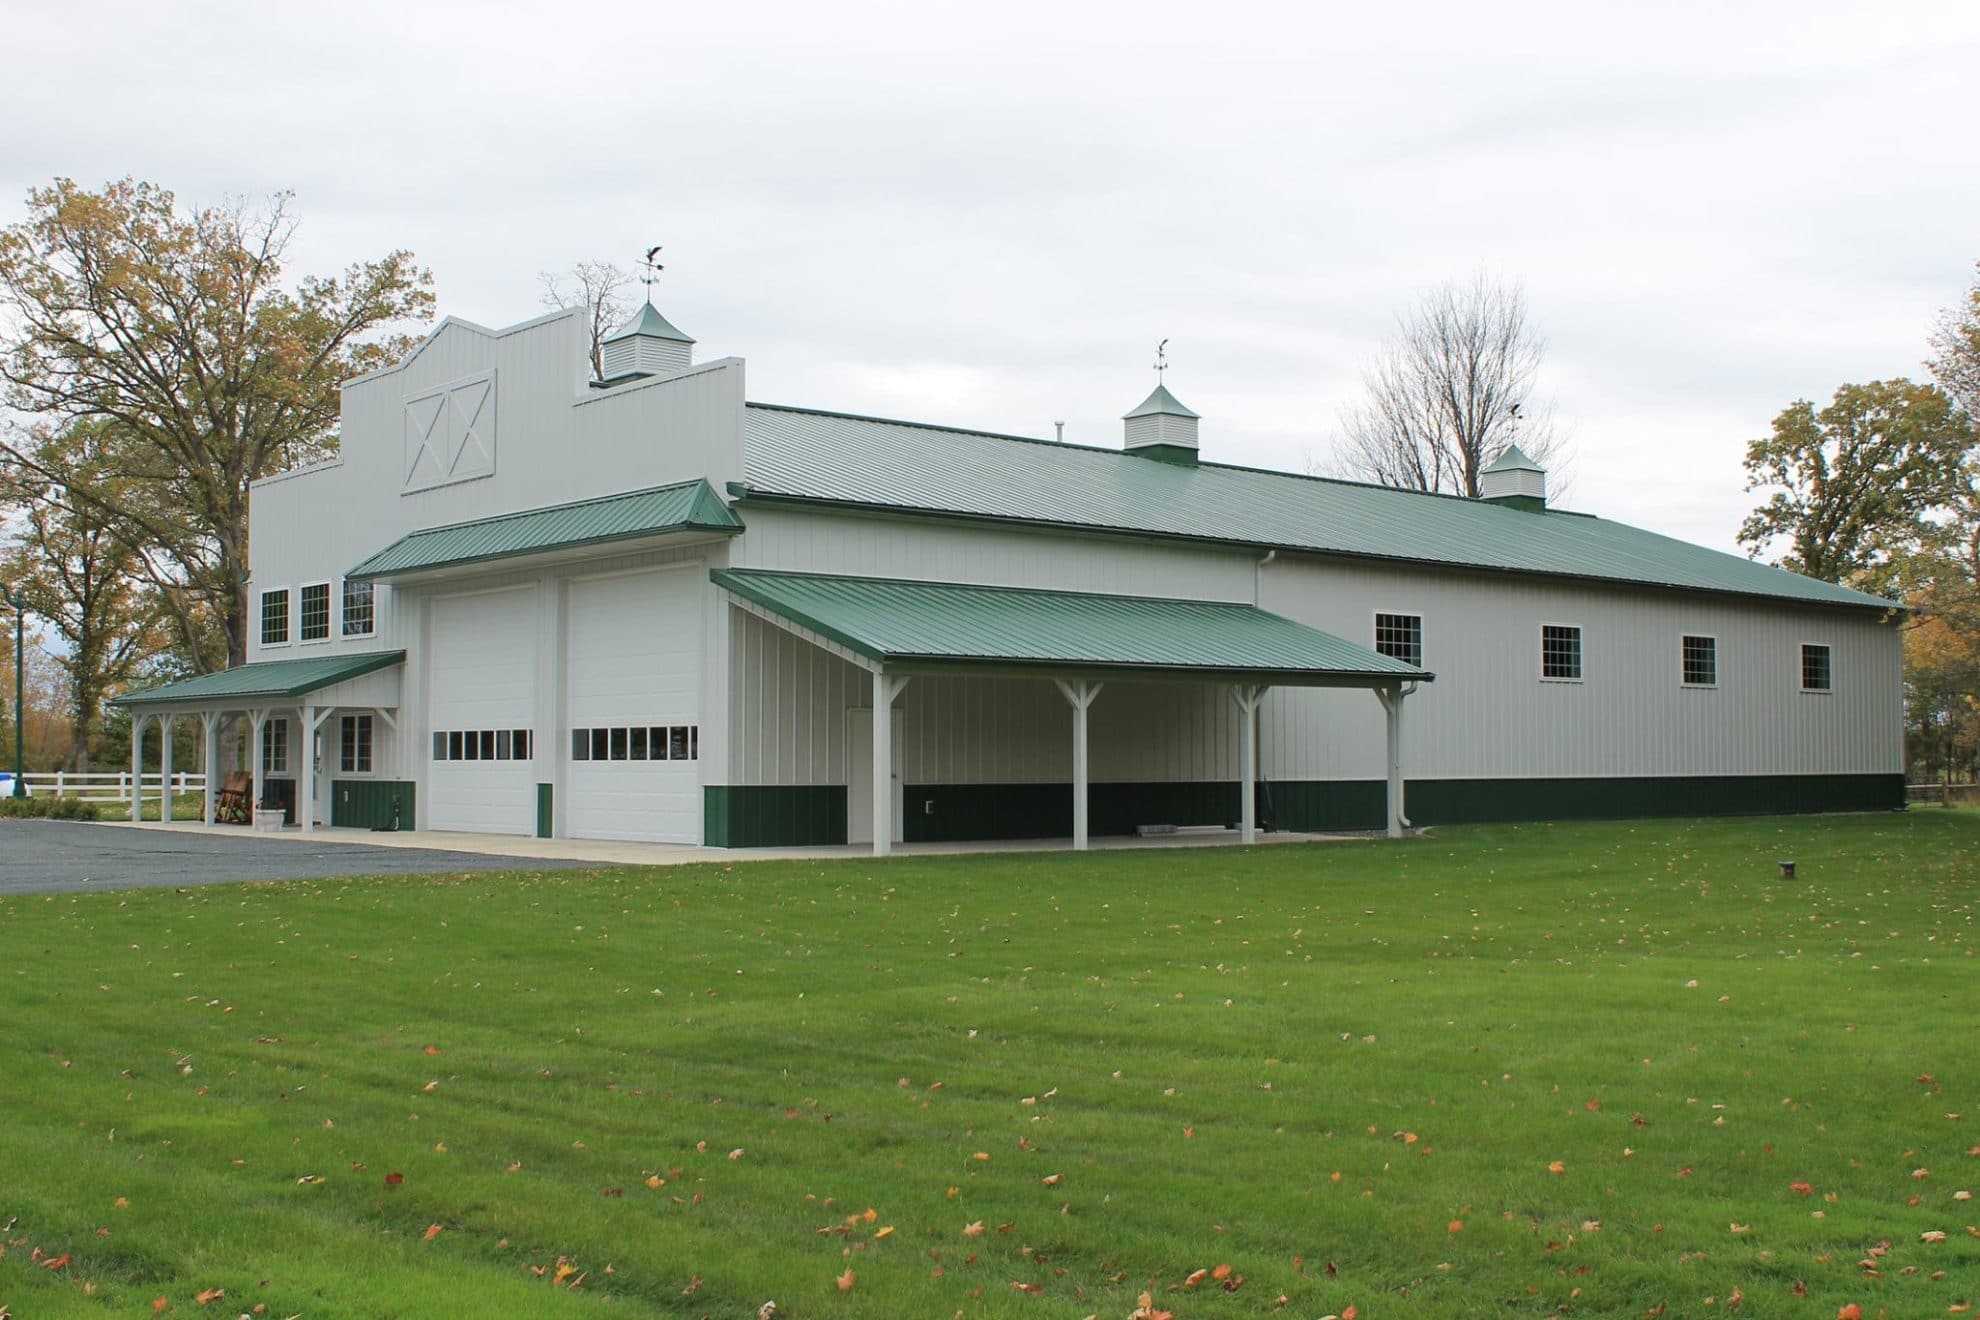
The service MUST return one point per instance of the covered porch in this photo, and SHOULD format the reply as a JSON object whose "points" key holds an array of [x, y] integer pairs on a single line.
{"points": [[307, 691], [1083, 644]]}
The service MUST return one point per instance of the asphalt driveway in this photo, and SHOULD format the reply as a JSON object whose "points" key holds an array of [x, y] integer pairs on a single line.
{"points": [[58, 857]]}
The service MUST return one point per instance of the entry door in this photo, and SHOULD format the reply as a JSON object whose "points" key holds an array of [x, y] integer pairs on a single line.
{"points": [[859, 775]]}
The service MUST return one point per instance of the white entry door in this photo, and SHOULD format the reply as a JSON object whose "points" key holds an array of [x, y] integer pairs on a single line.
{"points": [[633, 770], [859, 775], [483, 679]]}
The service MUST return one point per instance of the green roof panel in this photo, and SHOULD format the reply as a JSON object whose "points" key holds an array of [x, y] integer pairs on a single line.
{"points": [[689, 506], [900, 623], [650, 323], [265, 680], [881, 465]]}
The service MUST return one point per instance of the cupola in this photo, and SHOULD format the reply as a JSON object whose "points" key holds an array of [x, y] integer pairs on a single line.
{"points": [[647, 345], [1515, 480], [1162, 427]]}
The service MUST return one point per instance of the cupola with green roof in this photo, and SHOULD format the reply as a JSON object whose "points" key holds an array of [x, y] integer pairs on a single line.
{"points": [[1162, 428], [1514, 479], [647, 345]]}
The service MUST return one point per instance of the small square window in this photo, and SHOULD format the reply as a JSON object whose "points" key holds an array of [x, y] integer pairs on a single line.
{"points": [[580, 744], [455, 751], [677, 743], [694, 742], [488, 744], [618, 744], [502, 745], [521, 744], [275, 617], [1816, 673], [1701, 661], [601, 744], [639, 744], [1560, 651], [656, 741], [471, 745], [439, 746], [358, 615], [315, 612], [1400, 637]]}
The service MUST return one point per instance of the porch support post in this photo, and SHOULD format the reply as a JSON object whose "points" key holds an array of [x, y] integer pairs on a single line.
{"points": [[1247, 696], [138, 720], [1392, 706], [885, 688], [306, 772], [164, 768], [257, 720], [1079, 694], [209, 724]]}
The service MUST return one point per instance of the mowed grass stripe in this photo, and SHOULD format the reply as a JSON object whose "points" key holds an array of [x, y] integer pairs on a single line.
{"points": [[1308, 1062]]}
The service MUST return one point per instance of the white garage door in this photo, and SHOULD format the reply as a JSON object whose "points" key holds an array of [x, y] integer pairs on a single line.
{"points": [[635, 708], [483, 681]]}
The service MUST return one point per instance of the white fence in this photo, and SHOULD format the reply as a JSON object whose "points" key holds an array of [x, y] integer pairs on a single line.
{"points": [[110, 785]]}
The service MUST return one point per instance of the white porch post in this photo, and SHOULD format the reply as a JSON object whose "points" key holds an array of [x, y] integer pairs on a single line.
{"points": [[1392, 706], [209, 723], [257, 719], [137, 766], [1079, 695], [1247, 696], [885, 688], [164, 768], [306, 776]]}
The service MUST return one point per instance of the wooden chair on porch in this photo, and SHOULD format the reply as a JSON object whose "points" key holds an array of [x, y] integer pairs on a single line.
{"points": [[231, 806]]}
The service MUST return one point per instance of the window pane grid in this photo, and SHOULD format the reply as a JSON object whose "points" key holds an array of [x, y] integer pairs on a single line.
{"points": [[316, 612], [1816, 674], [657, 742], [354, 745], [358, 613], [1701, 661], [274, 617], [481, 745], [1560, 651], [1400, 637]]}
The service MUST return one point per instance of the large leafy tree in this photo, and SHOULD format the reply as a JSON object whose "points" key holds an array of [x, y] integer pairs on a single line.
{"points": [[177, 331], [1855, 487], [1956, 350]]}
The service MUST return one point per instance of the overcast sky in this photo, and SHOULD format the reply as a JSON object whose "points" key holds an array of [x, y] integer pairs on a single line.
{"points": [[987, 215]]}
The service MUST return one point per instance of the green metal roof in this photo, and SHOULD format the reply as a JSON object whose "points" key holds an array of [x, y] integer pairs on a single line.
{"points": [[1161, 402], [898, 623], [648, 322], [882, 465], [1513, 460], [264, 680], [689, 506]]}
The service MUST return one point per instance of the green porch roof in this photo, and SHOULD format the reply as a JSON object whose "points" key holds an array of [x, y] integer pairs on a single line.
{"points": [[265, 680], [939, 624], [886, 466], [689, 506]]}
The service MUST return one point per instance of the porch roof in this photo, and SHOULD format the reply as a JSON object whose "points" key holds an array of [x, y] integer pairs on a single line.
{"points": [[262, 681], [688, 506], [907, 626]]}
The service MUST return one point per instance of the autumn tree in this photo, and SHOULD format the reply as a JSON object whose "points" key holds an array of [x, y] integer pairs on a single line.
{"points": [[179, 331], [1450, 390], [603, 291], [1956, 350], [1856, 486]]}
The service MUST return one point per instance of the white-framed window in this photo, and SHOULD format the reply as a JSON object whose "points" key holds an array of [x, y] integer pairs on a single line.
{"points": [[275, 747], [275, 617], [313, 613], [648, 742], [1400, 637], [354, 745], [1698, 660], [359, 616], [1817, 670], [1560, 652], [482, 744]]}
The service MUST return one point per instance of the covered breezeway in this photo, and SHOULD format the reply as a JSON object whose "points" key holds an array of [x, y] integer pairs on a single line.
{"points": [[896, 631]]}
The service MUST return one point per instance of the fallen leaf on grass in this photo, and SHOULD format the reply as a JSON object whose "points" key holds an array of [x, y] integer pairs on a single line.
{"points": [[847, 1280], [1195, 1277], [210, 1295], [1033, 1289], [56, 1262], [973, 1229], [394, 1179], [1801, 1188], [1557, 1167], [1932, 1235], [433, 1231]]}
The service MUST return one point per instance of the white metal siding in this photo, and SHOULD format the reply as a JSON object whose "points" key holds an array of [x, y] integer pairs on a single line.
{"points": [[635, 659], [482, 676]]}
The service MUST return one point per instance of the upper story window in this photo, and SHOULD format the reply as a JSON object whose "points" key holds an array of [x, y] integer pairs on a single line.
{"points": [[1560, 651], [315, 612], [358, 616], [1700, 661], [1400, 637], [1816, 673], [275, 617]]}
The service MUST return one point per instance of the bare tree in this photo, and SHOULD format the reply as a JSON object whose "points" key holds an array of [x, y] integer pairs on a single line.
{"points": [[1451, 390], [601, 289]]}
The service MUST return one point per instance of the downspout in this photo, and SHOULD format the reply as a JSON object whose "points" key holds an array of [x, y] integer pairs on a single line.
{"points": [[1269, 819], [1406, 690]]}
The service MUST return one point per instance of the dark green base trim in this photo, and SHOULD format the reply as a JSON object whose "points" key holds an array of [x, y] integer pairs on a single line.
{"points": [[546, 816], [772, 815], [1465, 801], [950, 813], [366, 804]]}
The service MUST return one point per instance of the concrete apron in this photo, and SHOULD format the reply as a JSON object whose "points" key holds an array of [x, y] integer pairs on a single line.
{"points": [[609, 853]]}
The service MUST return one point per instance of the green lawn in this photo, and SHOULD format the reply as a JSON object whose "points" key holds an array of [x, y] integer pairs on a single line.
{"points": [[1580, 1069]]}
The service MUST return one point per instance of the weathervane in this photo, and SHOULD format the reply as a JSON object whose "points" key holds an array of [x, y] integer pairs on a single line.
{"points": [[1161, 360], [653, 268]]}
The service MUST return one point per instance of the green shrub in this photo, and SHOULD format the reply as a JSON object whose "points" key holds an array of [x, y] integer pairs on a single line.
{"points": [[49, 807]]}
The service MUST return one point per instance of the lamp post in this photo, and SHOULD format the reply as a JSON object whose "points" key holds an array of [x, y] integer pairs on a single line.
{"points": [[19, 607]]}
